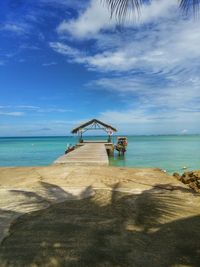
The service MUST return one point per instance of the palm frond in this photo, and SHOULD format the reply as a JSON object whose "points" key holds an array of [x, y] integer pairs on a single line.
{"points": [[187, 5], [119, 8]]}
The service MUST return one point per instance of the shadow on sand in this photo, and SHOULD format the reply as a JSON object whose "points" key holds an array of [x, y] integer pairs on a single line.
{"points": [[109, 229]]}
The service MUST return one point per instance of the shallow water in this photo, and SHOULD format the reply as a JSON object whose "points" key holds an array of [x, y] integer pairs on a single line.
{"points": [[170, 153]]}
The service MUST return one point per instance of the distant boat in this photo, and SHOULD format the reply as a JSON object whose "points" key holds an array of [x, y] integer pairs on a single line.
{"points": [[121, 145], [69, 149], [184, 168]]}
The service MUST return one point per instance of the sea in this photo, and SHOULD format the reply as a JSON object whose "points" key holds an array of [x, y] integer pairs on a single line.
{"points": [[171, 153]]}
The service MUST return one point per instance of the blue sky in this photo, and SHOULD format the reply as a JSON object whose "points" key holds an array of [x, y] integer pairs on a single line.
{"points": [[63, 62]]}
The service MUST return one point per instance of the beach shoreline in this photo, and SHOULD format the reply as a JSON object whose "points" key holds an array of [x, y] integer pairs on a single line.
{"points": [[170, 153]]}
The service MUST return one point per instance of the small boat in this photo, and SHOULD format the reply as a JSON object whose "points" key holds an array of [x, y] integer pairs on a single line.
{"points": [[69, 149], [121, 145]]}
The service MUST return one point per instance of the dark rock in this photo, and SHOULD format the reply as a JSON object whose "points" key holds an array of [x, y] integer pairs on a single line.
{"points": [[186, 179], [192, 179], [194, 187], [177, 175]]}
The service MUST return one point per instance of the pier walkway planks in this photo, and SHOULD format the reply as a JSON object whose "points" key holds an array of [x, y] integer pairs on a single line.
{"points": [[87, 154]]}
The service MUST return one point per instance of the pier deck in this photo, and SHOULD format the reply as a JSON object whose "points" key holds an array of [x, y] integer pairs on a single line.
{"points": [[87, 154]]}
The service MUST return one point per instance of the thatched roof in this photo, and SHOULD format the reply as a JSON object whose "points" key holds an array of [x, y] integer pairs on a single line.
{"points": [[93, 121]]}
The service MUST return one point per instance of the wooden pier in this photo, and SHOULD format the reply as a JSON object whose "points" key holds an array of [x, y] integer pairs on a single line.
{"points": [[90, 153]]}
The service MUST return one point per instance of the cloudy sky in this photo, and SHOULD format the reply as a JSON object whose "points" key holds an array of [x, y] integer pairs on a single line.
{"points": [[66, 61]]}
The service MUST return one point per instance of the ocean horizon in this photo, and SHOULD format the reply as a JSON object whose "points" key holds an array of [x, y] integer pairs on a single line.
{"points": [[173, 153], [88, 135]]}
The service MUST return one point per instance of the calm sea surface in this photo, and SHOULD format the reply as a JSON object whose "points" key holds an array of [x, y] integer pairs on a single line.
{"points": [[170, 153]]}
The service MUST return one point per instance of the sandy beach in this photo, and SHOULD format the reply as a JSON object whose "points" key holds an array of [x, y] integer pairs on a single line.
{"points": [[97, 216]]}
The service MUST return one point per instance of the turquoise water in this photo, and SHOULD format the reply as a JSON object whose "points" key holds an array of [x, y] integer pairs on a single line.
{"points": [[171, 153]]}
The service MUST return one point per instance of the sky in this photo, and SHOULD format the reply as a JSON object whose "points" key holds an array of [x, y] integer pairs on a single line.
{"points": [[63, 62]]}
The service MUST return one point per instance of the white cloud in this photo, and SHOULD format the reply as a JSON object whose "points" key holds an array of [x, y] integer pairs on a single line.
{"points": [[27, 46], [28, 107], [65, 49], [15, 113], [157, 9], [59, 110], [151, 101], [15, 28], [127, 116], [97, 17], [90, 22], [142, 116], [154, 65], [106, 61], [42, 109], [151, 49], [156, 92]]}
